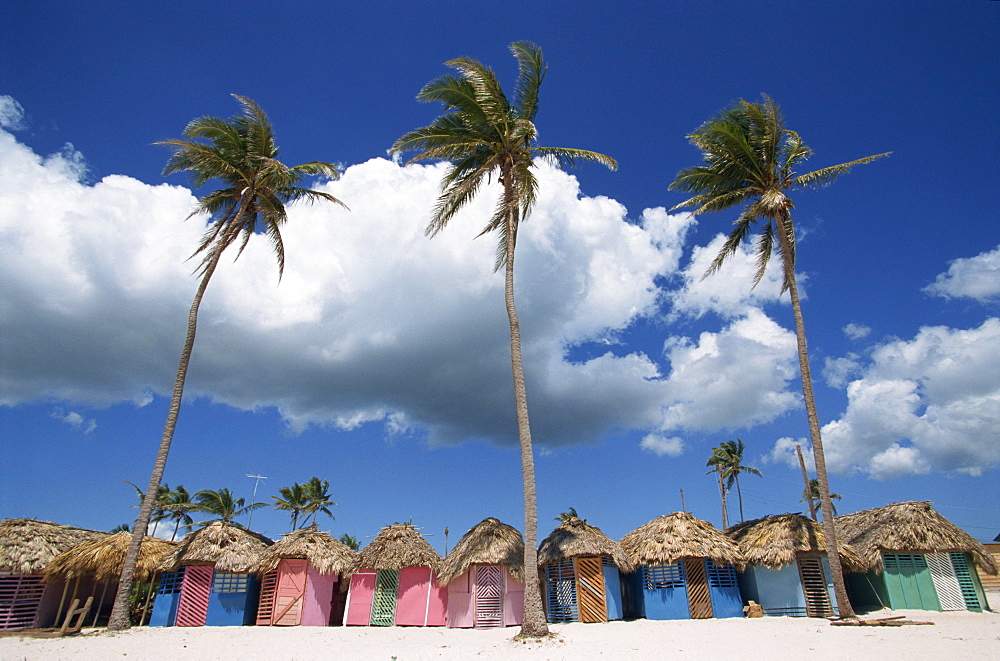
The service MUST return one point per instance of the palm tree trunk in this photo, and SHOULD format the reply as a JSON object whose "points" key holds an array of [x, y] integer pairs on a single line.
{"points": [[722, 497], [119, 620], [826, 505], [533, 625], [739, 494]]}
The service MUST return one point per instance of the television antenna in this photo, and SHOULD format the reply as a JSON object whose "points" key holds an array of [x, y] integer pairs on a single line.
{"points": [[253, 498]]}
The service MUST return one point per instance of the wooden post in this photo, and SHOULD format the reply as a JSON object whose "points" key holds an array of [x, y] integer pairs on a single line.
{"points": [[805, 478], [97, 611]]}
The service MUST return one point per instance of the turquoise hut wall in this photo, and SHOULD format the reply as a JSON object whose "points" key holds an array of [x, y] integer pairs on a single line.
{"points": [[921, 581], [780, 591]]}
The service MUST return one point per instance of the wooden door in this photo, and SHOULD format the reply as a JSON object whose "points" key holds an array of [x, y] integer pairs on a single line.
{"points": [[384, 599], [291, 592], [590, 590], [192, 610], [489, 597], [265, 603], [814, 586], [699, 599]]}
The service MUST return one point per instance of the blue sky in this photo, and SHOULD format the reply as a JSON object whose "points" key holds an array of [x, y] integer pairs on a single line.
{"points": [[380, 361]]}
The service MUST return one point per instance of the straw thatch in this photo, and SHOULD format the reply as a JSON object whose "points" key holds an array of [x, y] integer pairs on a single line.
{"points": [[27, 546], [575, 537], [102, 558], [230, 547], [775, 541], [680, 535], [323, 552], [489, 542], [910, 527], [398, 546]]}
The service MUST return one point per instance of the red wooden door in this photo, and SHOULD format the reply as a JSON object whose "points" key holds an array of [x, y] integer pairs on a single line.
{"points": [[291, 592], [192, 609]]}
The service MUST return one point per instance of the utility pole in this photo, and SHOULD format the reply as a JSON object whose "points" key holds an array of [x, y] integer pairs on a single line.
{"points": [[805, 478], [253, 498], [683, 507]]}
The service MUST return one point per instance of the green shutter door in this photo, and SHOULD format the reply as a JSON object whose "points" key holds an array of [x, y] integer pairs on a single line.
{"points": [[384, 600], [908, 582], [966, 581]]}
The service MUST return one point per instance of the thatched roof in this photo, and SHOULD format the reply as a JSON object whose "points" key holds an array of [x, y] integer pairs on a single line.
{"points": [[103, 558], [775, 541], [27, 546], [323, 552], [680, 535], [575, 537], [911, 527], [230, 547], [489, 542], [398, 546]]}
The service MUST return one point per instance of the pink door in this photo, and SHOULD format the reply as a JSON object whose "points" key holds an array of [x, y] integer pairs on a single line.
{"points": [[359, 599], [192, 609], [290, 593]]}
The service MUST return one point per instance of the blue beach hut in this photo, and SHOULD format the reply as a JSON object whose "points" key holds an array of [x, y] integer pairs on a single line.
{"points": [[685, 568]]}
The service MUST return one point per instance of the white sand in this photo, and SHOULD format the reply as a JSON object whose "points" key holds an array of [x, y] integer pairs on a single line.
{"points": [[956, 635]]}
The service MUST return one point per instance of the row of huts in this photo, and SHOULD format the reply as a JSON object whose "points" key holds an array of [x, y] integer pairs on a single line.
{"points": [[904, 555]]}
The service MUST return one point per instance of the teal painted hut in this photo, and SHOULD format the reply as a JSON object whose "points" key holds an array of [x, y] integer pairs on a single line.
{"points": [[914, 558]]}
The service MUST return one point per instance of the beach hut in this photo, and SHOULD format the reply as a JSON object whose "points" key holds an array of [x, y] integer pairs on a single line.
{"points": [[208, 578], [787, 571], [27, 599], [394, 582], [685, 568], [914, 558], [99, 562], [582, 580], [484, 574], [301, 579]]}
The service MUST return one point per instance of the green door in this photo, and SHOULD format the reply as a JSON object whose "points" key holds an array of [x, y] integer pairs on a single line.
{"points": [[384, 600], [908, 582]]}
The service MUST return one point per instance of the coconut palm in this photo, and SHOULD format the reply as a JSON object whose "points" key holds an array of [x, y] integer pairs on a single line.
{"points": [[350, 541], [749, 159], [159, 512], [728, 459], [811, 495], [240, 152], [486, 136], [292, 499], [317, 499], [570, 513], [178, 505], [223, 505]]}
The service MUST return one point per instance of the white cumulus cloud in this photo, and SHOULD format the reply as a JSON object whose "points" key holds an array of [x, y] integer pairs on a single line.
{"points": [[973, 277]]}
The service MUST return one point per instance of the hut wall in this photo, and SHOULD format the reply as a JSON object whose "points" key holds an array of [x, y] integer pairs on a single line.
{"points": [[990, 582], [360, 597], [168, 596], [420, 601], [613, 590], [659, 592], [21, 600], [513, 600], [233, 600], [320, 592], [780, 591], [461, 601], [724, 590]]}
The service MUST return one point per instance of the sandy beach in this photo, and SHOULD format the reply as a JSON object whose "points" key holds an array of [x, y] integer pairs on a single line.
{"points": [[954, 635]]}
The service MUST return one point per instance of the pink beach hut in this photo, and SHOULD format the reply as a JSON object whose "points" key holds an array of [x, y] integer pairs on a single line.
{"points": [[301, 579], [395, 582], [485, 577]]}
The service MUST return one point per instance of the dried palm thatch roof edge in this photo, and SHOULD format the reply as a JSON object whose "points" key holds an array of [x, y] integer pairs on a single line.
{"points": [[489, 542], [577, 538], [27, 546], [326, 554], [676, 536]]}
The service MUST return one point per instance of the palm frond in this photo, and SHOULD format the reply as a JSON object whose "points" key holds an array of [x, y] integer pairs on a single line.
{"points": [[827, 175], [530, 72]]}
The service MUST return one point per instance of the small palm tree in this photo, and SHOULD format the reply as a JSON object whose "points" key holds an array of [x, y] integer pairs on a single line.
{"points": [[350, 541], [121, 527], [240, 152], [178, 506], [159, 512], [811, 495], [728, 460], [317, 499], [292, 499], [570, 513], [223, 505], [749, 158], [484, 135]]}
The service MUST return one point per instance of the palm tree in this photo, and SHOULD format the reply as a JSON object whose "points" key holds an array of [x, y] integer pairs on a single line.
{"points": [[223, 505], [812, 494], [728, 458], [241, 153], [750, 159], [317, 499], [178, 506], [292, 499], [350, 541], [159, 512], [570, 513], [483, 135], [717, 469]]}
